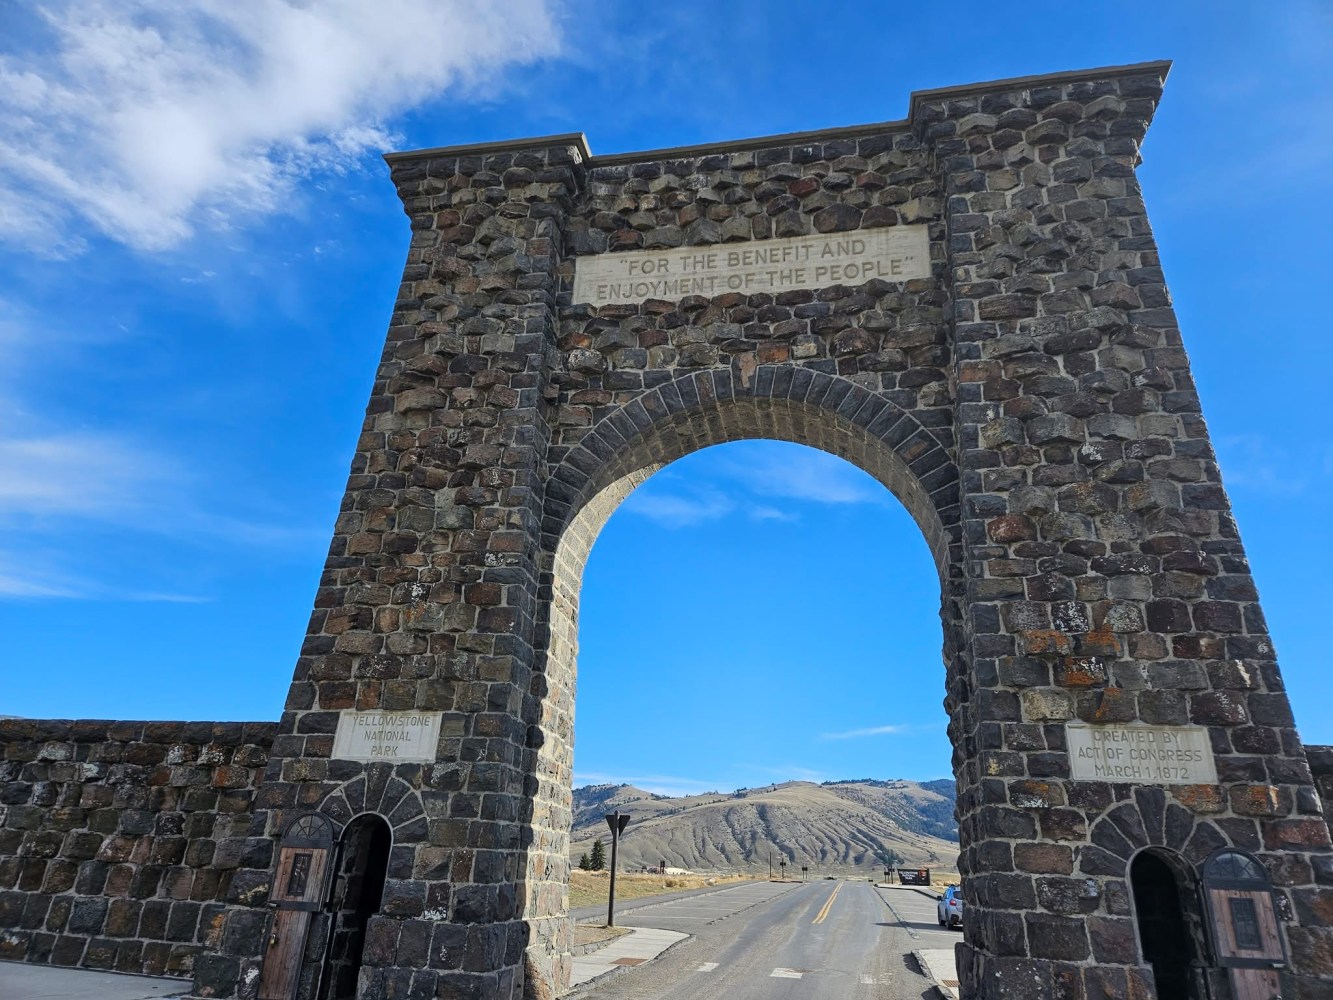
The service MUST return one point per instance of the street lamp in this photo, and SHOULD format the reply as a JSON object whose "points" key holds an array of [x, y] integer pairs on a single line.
{"points": [[617, 821]]}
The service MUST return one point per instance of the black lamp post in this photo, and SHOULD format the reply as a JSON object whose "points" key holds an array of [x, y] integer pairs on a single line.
{"points": [[617, 822]]}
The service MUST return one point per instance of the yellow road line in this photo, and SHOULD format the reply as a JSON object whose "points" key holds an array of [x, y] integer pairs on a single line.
{"points": [[824, 912]]}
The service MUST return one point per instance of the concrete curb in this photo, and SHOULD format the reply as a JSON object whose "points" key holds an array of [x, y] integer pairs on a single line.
{"points": [[580, 950], [946, 992], [910, 888]]}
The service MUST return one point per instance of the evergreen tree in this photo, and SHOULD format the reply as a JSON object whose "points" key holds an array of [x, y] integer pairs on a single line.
{"points": [[598, 859], [584, 863]]}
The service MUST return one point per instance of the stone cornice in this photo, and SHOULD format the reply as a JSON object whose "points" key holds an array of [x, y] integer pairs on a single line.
{"points": [[918, 97]]}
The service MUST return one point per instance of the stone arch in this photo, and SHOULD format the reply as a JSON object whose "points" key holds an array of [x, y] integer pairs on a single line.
{"points": [[1148, 818], [699, 409], [378, 790], [624, 446]]}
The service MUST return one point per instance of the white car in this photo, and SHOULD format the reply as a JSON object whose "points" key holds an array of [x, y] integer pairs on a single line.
{"points": [[949, 909]]}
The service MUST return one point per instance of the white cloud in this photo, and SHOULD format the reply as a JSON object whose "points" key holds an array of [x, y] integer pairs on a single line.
{"points": [[1252, 463], [856, 734], [675, 511], [147, 120], [53, 488], [762, 512], [28, 576], [91, 475], [798, 473], [763, 484], [21, 584]]}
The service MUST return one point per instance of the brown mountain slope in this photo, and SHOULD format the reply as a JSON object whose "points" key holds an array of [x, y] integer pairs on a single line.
{"points": [[833, 828]]}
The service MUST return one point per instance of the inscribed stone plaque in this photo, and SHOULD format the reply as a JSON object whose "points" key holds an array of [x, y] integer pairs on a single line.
{"points": [[1151, 755], [892, 253], [391, 736]]}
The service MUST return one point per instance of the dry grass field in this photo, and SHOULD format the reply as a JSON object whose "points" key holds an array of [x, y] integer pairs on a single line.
{"points": [[585, 934], [591, 888]]}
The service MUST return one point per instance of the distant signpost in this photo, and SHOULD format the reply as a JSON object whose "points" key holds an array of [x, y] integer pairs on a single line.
{"points": [[914, 876]]}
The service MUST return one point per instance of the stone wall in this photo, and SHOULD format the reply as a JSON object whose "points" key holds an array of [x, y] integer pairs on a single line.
{"points": [[121, 841]]}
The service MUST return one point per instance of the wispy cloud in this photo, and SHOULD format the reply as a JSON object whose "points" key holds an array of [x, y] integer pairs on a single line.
{"points": [[148, 120], [797, 473], [673, 510], [109, 478], [30, 576], [93, 475], [1253, 462], [764, 513], [24, 584], [856, 734], [60, 487], [762, 481]]}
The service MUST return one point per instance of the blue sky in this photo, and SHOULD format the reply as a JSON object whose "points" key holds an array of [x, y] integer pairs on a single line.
{"points": [[199, 248]]}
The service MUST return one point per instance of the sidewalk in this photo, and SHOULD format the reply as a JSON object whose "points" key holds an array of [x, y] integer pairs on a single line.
{"points": [[47, 982], [642, 944], [939, 966]]}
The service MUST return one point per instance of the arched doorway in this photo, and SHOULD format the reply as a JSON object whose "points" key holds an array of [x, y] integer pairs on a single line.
{"points": [[362, 869], [1163, 911]]}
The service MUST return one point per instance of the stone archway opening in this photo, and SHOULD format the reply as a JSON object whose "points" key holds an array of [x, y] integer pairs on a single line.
{"points": [[572, 528], [783, 595], [1166, 914], [363, 865]]}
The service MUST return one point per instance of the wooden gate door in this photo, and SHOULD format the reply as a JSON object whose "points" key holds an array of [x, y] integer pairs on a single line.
{"points": [[300, 885], [1243, 918]]}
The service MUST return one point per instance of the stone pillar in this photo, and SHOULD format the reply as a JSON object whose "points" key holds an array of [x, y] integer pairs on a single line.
{"points": [[428, 598], [1107, 582]]}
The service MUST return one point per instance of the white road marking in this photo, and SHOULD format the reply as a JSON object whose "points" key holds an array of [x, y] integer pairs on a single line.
{"points": [[785, 974], [706, 967], [867, 980]]}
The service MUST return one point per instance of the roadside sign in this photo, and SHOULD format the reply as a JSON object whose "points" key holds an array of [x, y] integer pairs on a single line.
{"points": [[914, 876]]}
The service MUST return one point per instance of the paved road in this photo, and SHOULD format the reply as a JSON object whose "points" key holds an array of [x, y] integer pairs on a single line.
{"points": [[817, 941]]}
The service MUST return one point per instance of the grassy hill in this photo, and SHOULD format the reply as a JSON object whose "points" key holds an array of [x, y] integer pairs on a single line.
{"points": [[840, 827]]}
